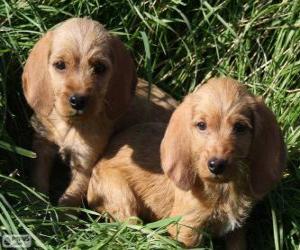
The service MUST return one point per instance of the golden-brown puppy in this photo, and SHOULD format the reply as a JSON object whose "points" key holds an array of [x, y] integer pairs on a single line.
{"points": [[79, 79], [221, 151]]}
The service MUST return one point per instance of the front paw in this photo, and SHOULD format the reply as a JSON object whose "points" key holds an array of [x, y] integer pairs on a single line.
{"points": [[190, 237], [69, 201]]}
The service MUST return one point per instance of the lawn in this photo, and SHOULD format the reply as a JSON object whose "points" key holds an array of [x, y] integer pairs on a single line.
{"points": [[176, 45]]}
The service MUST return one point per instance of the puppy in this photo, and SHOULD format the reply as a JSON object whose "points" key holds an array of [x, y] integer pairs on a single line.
{"points": [[79, 79], [221, 152]]}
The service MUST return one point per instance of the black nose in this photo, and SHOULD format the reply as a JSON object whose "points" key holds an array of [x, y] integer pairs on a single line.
{"points": [[217, 166], [78, 102]]}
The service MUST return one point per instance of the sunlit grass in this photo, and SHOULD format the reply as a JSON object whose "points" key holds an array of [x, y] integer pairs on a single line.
{"points": [[176, 45]]}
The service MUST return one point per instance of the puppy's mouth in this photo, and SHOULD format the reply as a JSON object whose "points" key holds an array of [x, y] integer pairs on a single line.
{"points": [[219, 178], [76, 113], [72, 114]]}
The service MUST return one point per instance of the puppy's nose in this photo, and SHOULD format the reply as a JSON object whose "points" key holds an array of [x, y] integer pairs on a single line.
{"points": [[78, 102], [217, 166]]}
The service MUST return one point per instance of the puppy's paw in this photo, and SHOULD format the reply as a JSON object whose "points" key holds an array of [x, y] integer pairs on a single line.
{"points": [[70, 208], [69, 201], [190, 237]]}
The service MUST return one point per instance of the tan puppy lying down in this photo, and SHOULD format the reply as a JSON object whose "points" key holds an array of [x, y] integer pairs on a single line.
{"points": [[222, 151]]}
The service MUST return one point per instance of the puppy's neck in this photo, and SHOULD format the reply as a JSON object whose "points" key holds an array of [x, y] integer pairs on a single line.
{"points": [[227, 204], [84, 141]]}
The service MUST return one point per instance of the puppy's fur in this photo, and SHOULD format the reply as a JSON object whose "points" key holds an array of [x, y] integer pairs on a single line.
{"points": [[239, 128], [78, 57]]}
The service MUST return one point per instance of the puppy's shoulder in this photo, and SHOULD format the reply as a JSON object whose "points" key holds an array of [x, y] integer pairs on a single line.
{"points": [[139, 146], [39, 127], [140, 135]]}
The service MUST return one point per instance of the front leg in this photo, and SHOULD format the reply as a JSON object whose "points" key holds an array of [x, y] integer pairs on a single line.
{"points": [[236, 240], [185, 234], [109, 191], [77, 189], [46, 152], [194, 216]]}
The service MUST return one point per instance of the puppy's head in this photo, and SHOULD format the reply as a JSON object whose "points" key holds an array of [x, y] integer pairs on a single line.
{"points": [[221, 132], [79, 69]]}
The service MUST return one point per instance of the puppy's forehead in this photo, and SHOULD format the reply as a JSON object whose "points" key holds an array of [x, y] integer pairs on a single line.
{"points": [[220, 97], [81, 36]]}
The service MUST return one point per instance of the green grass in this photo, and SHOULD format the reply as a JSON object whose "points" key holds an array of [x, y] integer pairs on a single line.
{"points": [[176, 45]]}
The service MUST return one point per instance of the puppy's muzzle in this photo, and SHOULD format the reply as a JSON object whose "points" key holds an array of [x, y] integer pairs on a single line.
{"points": [[78, 102], [217, 166]]}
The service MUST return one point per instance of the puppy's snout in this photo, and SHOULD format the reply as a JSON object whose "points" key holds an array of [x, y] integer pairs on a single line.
{"points": [[217, 166], [78, 102]]}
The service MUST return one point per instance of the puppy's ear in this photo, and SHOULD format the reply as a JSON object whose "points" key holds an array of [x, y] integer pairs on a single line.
{"points": [[121, 87], [176, 154], [35, 79], [268, 152]]}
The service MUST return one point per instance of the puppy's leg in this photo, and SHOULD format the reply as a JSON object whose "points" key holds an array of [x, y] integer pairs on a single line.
{"points": [[77, 189], [46, 152], [236, 240], [188, 231], [109, 191]]}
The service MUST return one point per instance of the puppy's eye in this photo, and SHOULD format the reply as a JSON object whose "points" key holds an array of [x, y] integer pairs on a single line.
{"points": [[60, 65], [201, 125], [99, 68], [240, 128]]}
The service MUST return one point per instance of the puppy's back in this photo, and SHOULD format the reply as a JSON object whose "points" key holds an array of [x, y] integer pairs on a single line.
{"points": [[140, 142], [131, 164]]}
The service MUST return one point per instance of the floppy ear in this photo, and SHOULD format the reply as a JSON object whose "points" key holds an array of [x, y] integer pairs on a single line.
{"points": [[35, 79], [268, 152], [176, 154], [121, 87]]}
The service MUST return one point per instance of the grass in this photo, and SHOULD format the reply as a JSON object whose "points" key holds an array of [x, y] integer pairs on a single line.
{"points": [[177, 45]]}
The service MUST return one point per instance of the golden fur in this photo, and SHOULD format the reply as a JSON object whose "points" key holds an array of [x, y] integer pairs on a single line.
{"points": [[154, 173], [82, 46]]}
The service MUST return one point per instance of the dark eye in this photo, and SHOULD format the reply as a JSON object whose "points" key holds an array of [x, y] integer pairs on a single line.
{"points": [[99, 68], [240, 128], [201, 125], [60, 65]]}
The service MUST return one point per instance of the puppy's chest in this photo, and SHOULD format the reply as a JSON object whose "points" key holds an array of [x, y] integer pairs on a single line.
{"points": [[229, 213], [79, 146], [83, 150], [75, 150]]}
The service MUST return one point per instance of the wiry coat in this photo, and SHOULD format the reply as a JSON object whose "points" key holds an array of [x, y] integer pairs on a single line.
{"points": [[83, 45]]}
